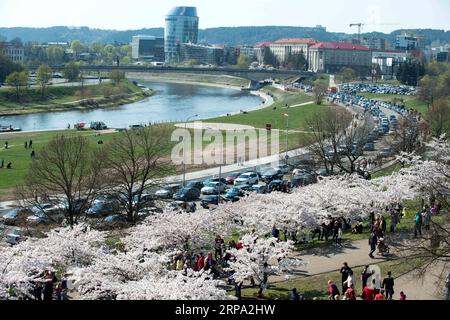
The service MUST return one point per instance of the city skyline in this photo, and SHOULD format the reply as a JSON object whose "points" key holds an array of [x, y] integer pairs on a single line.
{"points": [[380, 15]]}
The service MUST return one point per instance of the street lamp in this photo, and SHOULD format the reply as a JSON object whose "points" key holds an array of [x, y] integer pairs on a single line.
{"points": [[287, 137], [184, 150]]}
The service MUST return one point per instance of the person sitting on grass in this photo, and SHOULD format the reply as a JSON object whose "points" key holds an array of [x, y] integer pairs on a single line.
{"points": [[9, 166]]}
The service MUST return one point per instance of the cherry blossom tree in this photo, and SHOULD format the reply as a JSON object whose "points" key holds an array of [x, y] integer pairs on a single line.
{"points": [[260, 258]]}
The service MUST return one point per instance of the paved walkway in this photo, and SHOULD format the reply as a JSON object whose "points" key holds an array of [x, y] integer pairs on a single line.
{"points": [[330, 259]]}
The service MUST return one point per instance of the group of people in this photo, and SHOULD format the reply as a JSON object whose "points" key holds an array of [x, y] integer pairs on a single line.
{"points": [[423, 218], [331, 227], [28, 145], [382, 291]]}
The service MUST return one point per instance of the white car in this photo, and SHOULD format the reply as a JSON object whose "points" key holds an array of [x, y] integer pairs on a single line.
{"points": [[214, 188], [249, 178]]}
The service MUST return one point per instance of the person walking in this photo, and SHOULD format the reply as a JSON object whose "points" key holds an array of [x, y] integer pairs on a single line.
{"points": [[275, 232], [200, 262], [380, 296], [345, 272], [426, 218], [30, 144], [368, 294], [388, 286], [365, 276], [373, 241], [339, 238], [350, 282], [26, 144], [418, 224], [402, 296], [6, 145], [333, 289]]}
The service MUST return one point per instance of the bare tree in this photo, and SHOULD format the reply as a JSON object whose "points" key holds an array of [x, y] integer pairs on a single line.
{"points": [[135, 162], [336, 138], [320, 91], [67, 174]]}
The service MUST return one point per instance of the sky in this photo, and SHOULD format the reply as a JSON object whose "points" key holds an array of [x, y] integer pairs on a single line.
{"points": [[336, 15]]}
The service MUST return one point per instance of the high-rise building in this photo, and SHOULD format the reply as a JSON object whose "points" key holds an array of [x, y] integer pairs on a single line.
{"points": [[406, 42], [181, 27], [148, 48]]}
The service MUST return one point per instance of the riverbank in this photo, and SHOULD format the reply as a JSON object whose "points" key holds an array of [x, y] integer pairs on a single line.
{"points": [[73, 98]]}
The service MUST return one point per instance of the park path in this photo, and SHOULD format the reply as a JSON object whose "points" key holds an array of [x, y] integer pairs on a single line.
{"points": [[356, 254]]}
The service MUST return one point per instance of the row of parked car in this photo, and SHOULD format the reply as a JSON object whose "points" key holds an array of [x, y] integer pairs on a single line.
{"points": [[379, 88], [233, 186]]}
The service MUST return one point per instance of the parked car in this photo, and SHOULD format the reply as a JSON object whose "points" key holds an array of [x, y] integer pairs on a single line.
{"points": [[284, 168], [245, 187], [195, 184], [211, 200], [14, 236], [97, 125], [234, 194], [147, 200], [232, 177], [101, 207], [276, 185], [115, 218], [187, 194], [214, 188], [167, 192], [386, 153], [369, 146], [261, 189], [247, 178], [175, 206], [215, 179], [10, 217], [271, 175], [303, 180], [38, 218]]}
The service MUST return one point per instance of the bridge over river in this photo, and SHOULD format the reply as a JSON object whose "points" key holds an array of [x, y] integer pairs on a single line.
{"points": [[253, 75]]}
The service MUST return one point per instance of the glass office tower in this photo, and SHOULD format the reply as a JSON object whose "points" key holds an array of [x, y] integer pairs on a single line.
{"points": [[181, 27]]}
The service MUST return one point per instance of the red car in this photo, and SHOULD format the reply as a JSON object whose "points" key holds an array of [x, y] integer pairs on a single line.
{"points": [[232, 177]]}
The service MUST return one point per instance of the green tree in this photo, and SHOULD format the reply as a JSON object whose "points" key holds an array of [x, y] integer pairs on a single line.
{"points": [[7, 67], [346, 75], [55, 55], [18, 80], [43, 76], [438, 117], [296, 62], [243, 62], [77, 47], [269, 58], [72, 71]]}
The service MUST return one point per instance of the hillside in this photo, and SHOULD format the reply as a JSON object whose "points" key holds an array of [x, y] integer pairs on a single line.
{"points": [[225, 35]]}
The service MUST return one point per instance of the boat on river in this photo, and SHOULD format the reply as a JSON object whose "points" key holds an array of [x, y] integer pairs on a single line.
{"points": [[7, 129]]}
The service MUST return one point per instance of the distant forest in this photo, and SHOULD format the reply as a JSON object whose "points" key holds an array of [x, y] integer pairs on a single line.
{"points": [[227, 36]]}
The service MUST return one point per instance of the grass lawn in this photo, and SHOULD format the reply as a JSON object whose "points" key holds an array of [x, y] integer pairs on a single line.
{"points": [[20, 157], [388, 171], [316, 286], [272, 114]]}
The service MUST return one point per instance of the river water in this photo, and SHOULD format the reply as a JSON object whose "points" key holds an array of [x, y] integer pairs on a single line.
{"points": [[172, 102]]}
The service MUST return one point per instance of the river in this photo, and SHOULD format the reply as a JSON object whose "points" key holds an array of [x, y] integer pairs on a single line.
{"points": [[172, 102]]}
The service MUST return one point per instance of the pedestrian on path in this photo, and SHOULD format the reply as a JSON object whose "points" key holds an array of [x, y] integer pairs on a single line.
{"points": [[373, 241], [6, 145], [380, 296], [418, 224], [334, 291], [345, 272], [388, 286], [365, 276], [26, 144], [402, 296], [30, 144]]}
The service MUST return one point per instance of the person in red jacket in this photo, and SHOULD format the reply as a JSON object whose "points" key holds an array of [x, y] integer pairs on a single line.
{"points": [[334, 291], [368, 293], [200, 262]]}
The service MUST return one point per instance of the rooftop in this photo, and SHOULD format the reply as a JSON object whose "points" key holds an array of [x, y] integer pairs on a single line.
{"points": [[340, 46], [183, 11], [297, 41]]}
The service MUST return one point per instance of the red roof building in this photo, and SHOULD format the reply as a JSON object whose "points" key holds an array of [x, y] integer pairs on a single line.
{"points": [[331, 57], [283, 48]]}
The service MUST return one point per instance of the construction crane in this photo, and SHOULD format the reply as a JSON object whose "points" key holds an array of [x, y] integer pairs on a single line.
{"points": [[359, 25]]}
